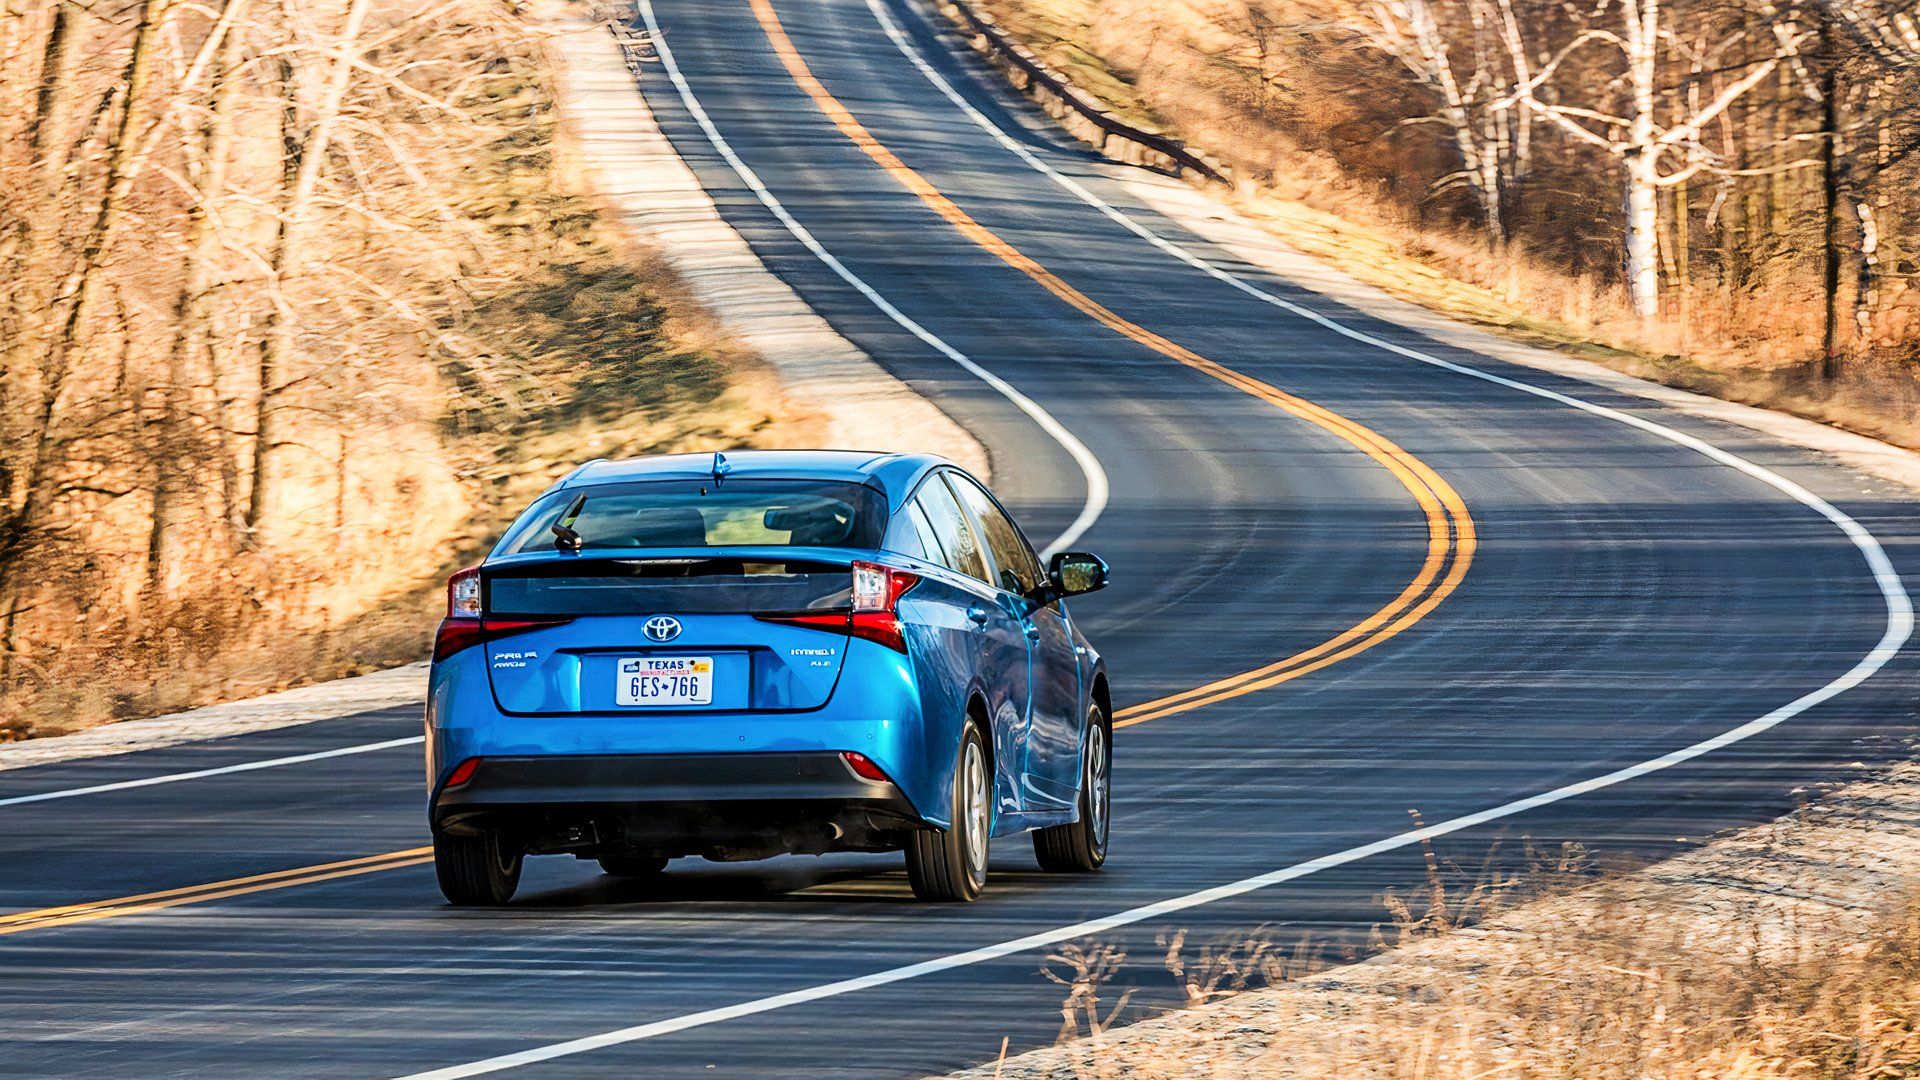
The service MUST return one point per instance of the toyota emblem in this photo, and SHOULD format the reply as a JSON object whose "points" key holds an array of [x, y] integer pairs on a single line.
{"points": [[661, 628]]}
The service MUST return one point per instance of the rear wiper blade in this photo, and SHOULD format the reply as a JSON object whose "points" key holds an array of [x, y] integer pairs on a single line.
{"points": [[565, 539]]}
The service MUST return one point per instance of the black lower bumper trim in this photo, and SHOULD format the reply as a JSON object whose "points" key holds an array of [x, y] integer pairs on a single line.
{"points": [[664, 778], [747, 805]]}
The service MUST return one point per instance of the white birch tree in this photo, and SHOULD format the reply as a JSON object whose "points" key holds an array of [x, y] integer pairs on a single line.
{"points": [[1621, 115]]}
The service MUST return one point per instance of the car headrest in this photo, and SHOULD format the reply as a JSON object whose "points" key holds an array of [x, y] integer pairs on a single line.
{"points": [[669, 526], [819, 525]]}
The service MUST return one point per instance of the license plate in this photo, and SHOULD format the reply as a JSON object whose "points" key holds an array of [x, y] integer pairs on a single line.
{"points": [[665, 680]]}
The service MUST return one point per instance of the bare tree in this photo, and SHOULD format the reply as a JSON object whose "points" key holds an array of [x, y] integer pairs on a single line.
{"points": [[1625, 123], [307, 147], [1410, 32], [1888, 31]]}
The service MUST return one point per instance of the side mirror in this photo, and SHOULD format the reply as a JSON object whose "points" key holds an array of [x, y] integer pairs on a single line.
{"points": [[1074, 572]]}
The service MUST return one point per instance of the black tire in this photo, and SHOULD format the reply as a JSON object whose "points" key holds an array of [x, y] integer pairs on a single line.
{"points": [[1081, 846], [634, 866], [477, 871], [950, 865]]}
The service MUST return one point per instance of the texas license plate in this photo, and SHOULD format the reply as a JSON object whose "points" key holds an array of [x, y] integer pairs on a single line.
{"points": [[665, 680]]}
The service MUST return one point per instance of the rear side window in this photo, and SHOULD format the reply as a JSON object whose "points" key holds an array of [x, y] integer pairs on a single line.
{"points": [[1019, 567], [960, 549], [912, 534], [701, 513]]}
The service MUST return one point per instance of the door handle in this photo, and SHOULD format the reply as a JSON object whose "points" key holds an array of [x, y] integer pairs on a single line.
{"points": [[977, 615], [1033, 632]]}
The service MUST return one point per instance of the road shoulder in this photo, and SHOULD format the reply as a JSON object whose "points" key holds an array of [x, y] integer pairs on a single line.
{"points": [[388, 689]]}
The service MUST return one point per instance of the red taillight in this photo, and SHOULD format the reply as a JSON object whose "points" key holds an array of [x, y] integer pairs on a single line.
{"points": [[462, 772], [875, 616], [864, 768], [457, 634], [454, 635]]}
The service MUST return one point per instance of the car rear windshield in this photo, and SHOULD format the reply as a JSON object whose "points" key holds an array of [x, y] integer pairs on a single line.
{"points": [[701, 513]]}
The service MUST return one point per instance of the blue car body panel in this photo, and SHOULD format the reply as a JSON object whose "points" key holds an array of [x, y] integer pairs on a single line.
{"points": [[547, 692]]}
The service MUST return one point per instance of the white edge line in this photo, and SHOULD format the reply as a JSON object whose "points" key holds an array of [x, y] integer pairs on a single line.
{"points": [[1096, 476], [1899, 629], [247, 766]]}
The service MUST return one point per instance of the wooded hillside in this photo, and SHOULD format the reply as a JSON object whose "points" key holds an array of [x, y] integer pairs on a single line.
{"points": [[298, 305], [1727, 188]]}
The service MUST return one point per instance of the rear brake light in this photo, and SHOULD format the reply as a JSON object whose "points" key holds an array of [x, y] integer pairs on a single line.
{"points": [[876, 607], [457, 634]]}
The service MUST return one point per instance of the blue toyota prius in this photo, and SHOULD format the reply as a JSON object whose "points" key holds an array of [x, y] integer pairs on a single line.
{"points": [[761, 653]]}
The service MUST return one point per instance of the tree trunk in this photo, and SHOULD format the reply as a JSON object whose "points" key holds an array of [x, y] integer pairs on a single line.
{"points": [[1683, 259], [1643, 226], [1830, 183], [1642, 160], [179, 449], [1866, 295], [30, 267], [289, 256]]}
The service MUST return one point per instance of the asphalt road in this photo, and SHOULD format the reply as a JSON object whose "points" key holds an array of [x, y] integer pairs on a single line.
{"points": [[1629, 598]]}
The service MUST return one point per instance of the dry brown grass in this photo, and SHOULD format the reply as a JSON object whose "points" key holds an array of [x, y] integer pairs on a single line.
{"points": [[1627, 995]]}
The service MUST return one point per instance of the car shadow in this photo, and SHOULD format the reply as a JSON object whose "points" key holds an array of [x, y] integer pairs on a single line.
{"points": [[794, 880]]}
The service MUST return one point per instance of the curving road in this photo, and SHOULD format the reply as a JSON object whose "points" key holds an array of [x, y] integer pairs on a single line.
{"points": [[1516, 604]]}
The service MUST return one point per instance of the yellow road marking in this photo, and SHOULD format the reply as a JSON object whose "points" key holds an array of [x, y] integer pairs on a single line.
{"points": [[1451, 539], [69, 914], [1450, 533]]}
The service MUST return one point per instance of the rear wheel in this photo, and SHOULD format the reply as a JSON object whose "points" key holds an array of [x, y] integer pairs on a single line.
{"points": [[477, 871], [951, 865], [1081, 846], [634, 866]]}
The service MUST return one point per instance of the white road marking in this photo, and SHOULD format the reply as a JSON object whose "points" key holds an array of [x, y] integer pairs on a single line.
{"points": [[247, 766], [1899, 629], [1096, 476]]}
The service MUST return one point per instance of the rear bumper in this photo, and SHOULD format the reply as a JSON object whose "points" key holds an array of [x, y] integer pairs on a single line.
{"points": [[876, 710], [662, 778], [721, 806]]}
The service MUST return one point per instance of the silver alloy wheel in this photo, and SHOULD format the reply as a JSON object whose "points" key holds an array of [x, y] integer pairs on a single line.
{"points": [[976, 809], [1099, 786]]}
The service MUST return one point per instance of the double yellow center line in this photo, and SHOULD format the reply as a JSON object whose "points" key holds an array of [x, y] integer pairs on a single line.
{"points": [[70, 914], [1450, 534]]}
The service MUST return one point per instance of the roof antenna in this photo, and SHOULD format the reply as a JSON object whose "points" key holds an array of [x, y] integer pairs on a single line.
{"points": [[721, 467]]}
